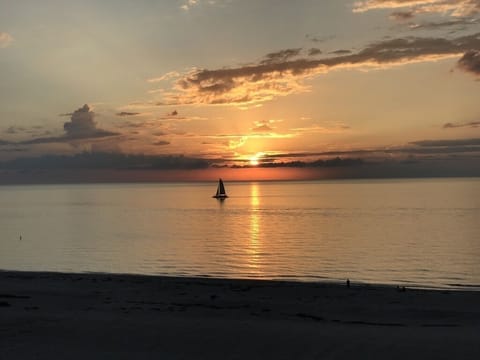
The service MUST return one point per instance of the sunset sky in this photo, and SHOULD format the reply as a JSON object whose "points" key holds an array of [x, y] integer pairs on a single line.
{"points": [[242, 82]]}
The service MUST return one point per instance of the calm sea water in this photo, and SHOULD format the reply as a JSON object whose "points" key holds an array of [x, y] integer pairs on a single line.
{"points": [[412, 232]]}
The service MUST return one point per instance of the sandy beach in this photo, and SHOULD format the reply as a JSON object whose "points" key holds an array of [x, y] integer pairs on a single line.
{"points": [[102, 316]]}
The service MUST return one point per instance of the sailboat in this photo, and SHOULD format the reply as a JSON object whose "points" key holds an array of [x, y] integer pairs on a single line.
{"points": [[221, 194]]}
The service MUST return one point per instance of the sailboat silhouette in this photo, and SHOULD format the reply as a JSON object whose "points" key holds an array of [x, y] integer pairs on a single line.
{"points": [[221, 194]]}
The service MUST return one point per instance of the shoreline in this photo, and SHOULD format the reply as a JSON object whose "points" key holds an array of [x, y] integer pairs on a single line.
{"points": [[280, 280], [49, 314]]}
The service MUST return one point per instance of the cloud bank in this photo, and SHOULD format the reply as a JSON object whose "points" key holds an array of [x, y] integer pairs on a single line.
{"points": [[104, 160], [471, 124], [282, 73], [450, 7]]}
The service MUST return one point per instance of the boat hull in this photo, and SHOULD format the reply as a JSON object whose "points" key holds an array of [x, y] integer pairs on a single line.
{"points": [[220, 197]]}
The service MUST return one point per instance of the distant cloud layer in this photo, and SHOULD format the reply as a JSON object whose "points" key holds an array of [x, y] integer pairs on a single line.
{"points": [[282, 73], [103, 160], [449, 142], [472, 124], [452, 7], [5, 39]]}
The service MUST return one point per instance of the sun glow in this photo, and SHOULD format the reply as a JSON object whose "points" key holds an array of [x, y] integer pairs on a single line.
{"points": [[255, 159]]}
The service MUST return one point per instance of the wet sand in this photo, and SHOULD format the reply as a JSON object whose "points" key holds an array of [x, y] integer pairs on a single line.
{"points": [[103, 316]]}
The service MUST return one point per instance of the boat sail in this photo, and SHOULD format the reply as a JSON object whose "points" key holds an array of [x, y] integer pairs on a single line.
{"points": [[221, 194]]}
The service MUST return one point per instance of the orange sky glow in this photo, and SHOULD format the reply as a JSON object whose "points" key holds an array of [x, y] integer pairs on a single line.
{"points": [[186, 86]]}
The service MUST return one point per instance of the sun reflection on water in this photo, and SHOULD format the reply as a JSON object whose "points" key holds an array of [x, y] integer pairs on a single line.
{"points": [[255, 241]]}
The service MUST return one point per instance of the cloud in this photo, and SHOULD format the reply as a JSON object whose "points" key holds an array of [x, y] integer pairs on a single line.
{"points": [[449, 142], [126, 113], [470, 62], [5, 39], [450, 7], [105, 160], [257, 83], [318, 129], [335, 162], [167, 76], [161, 143], [461, 23], [261, 126], [280, 56], [314, 51], [340, 52], [402, 15], [237, 143], [472, 124], [81, 126], [189, 4]]}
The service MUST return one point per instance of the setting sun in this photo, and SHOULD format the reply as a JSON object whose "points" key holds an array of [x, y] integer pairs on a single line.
{"points": [[254, 160]]}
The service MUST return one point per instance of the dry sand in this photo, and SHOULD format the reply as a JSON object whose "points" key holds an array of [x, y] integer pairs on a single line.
{"points": [[98, 316]]}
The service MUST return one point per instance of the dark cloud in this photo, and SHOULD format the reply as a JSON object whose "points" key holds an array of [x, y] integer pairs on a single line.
{"points": [[472, 124], [280, 56], [420, 147], [340, 52], [105, 160], [134, 125], [470, 62], [81, 126], [402, 15], [449, 142], [126, 113], [161, 143], [335, 162], [267, 80], [314, 51]]}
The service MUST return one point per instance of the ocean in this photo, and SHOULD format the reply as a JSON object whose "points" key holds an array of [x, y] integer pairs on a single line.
{"points": [[410, 232]]}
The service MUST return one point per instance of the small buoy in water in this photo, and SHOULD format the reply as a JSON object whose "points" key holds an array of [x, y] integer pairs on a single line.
{"points": [[348, 283]]}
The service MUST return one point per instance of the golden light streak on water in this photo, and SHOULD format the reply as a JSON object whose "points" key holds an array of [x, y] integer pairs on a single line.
{"points": [[255, 231]]}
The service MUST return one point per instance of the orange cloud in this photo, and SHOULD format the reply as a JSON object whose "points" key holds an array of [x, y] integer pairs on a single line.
{"points": [[255, 84], [452, 7]]}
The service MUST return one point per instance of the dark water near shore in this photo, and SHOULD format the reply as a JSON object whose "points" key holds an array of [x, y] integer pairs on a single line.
{"points": [[413, 232]]}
